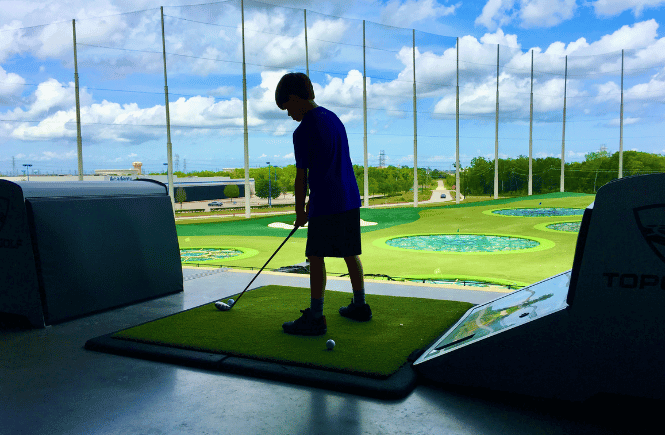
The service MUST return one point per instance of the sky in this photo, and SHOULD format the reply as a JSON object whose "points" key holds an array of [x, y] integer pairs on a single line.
{"points": [[576, 48]]}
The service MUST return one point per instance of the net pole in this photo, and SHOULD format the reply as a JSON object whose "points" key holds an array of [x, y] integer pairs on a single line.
{"points": [[415, 128], [621, 124], [563, 135], [531, 133], [496, 131], [306, 47], [365, 169], [79, 141], [457, 169], [244, 113], [169, 147]]}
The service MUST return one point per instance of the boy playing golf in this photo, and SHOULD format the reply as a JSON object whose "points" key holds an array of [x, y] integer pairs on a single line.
{"points": [[333, 211]]}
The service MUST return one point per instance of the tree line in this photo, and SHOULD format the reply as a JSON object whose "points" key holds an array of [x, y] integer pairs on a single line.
{"points": [[597, 169]]}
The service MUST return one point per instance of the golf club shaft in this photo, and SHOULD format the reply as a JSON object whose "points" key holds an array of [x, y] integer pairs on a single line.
{"points": [[275, 253]]}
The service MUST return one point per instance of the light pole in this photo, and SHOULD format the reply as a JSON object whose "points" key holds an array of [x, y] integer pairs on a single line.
{"points": [[27, 169], [269, 187]]}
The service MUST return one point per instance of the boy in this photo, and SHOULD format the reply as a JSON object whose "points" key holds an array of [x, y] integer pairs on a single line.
{"points": [[333, 211]]}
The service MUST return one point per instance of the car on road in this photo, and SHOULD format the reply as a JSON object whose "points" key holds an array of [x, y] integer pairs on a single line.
{"points": [[443, 195], [215, 204]]}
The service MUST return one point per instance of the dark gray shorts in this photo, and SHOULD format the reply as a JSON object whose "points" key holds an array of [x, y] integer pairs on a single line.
{"points": [[334, 235]]}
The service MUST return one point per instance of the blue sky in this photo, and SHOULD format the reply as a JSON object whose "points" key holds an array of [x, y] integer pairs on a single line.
{"points": [[122, 80]]}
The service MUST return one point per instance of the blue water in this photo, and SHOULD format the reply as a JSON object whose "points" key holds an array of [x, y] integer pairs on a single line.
{"points": [[540, 212], [204, 254], [462, 243]]}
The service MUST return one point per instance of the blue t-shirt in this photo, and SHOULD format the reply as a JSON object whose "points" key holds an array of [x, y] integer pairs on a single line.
{"points": [[321, 146]]}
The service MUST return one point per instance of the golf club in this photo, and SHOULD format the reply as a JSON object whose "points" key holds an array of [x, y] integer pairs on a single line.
{"points": [[222, 306]]}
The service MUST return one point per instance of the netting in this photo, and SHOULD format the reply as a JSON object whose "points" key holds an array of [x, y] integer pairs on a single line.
{"points": [[120, 61], [462, 243], [37, 107], [204, 61], [121, 72]]}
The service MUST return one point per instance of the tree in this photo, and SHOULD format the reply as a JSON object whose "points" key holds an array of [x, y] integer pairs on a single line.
{"points": [[231, 191], [262, 188], [180, 196]]}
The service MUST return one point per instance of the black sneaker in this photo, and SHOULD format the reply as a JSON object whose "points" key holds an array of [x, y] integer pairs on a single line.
{"points": [[359, 312], [306, 324]]}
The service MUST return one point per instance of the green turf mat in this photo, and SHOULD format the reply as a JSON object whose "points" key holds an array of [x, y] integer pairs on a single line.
{"points": [[253, 329]]}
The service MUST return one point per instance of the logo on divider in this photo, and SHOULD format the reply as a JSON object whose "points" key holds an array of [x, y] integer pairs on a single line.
{"points": [[651, 222], [4, 209]]}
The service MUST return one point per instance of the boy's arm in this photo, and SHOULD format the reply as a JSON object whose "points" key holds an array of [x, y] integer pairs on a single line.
{"points": [[300, 190]]}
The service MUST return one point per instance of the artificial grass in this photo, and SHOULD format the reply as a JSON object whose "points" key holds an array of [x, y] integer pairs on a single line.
{"points": [[517, 268], [252, 329]]}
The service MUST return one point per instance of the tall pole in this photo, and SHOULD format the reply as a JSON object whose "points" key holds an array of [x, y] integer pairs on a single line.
{"points": [[531, 133], [415, 128], [244, 113], [306, 47], [621, 124], [496, 131], [365, 170], [169, 147], [563, 137], [457, 168], [269, 187], [79, 142]]}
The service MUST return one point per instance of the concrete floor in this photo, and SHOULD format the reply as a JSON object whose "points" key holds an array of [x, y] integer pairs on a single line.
{"points": [[52, 385]]}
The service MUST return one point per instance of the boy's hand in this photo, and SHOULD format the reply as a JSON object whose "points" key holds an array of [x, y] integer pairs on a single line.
{"points": [[301, 219], [301, 216]]}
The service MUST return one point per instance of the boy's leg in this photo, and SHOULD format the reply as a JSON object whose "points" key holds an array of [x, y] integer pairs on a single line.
{"points": [[358, 309], [317, 283], [317, 276], [312, 322], [355, 268]]}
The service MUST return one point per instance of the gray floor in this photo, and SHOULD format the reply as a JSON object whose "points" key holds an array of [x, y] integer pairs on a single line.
{"points": [[52, 385]]}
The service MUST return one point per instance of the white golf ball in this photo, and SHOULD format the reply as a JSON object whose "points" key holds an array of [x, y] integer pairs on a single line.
{"points": [[330, 344], [230, 302]]}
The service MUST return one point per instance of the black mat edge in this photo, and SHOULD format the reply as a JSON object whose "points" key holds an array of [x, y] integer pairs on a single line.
{"points": [[397, 386]]}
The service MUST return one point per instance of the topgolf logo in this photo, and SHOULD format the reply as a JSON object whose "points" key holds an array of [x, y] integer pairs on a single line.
{"points": [[651, 222]]}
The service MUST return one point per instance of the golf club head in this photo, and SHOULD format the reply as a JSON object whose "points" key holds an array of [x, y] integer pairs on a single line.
{"points": [[221, 306]]}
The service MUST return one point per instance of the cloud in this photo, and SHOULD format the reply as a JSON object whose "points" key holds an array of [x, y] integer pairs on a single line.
{"points": [[496, 13], [526, 13], [545, 13], [608, 8], [11, 86], [404, 14]]}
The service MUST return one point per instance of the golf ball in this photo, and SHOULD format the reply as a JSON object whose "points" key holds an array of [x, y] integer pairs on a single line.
{"points": [[330, 344], [230, 302]]}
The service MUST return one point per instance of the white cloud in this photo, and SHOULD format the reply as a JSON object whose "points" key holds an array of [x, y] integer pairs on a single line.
{"points": [[606, 8], [545, 13], [404, 14], [11, 86], [496, 13], [528, 13]]}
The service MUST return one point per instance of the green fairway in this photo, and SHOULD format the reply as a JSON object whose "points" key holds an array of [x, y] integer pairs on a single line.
{"points": [[554, 255], [253, 328]]}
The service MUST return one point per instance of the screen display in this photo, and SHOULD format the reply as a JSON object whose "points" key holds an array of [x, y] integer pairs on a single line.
{"points": [[513, 309]]}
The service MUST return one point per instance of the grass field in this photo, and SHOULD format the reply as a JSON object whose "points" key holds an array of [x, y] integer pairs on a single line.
{"points": [[519, 268]]}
